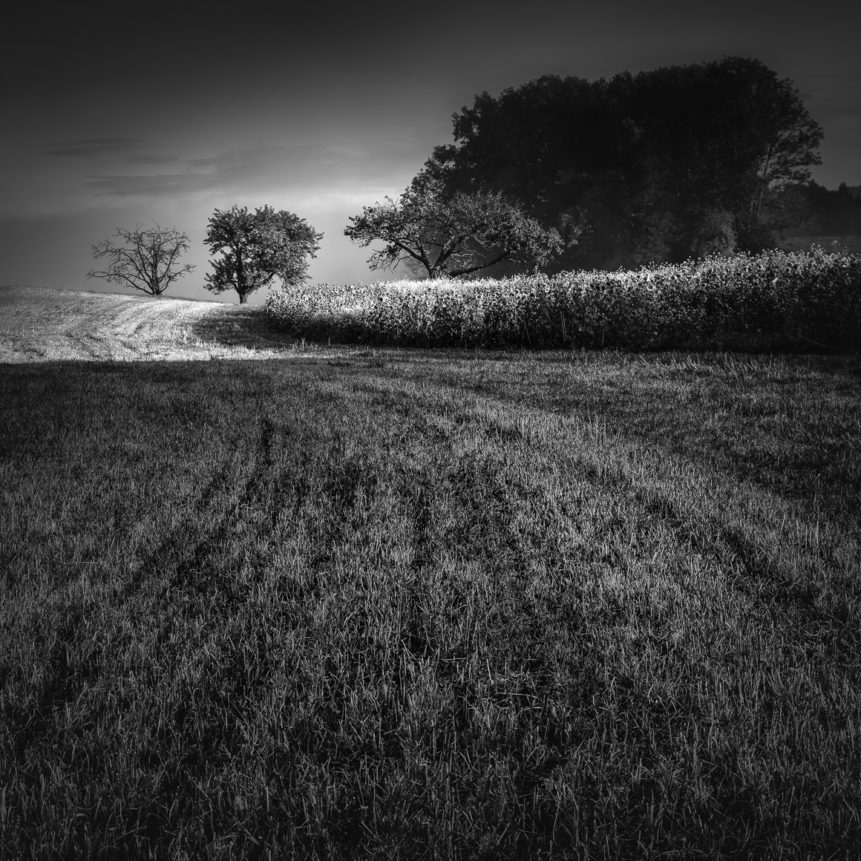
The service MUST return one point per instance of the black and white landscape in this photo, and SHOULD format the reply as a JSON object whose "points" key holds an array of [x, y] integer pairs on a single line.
{"points": [[455, 449]]}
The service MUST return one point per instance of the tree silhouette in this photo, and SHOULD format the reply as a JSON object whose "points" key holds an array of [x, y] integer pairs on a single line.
{"points": [[637, 166]]}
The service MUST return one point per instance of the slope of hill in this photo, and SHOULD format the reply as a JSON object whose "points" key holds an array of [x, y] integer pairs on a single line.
{"points": [[43, 324]]}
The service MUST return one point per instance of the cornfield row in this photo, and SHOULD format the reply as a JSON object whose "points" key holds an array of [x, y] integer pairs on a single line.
{"points": [[773, 300]]}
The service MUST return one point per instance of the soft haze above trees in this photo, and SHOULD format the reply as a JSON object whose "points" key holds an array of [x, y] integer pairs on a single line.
{"points": [[147, 260], [257, 247], [452, 235], [658, 166]]}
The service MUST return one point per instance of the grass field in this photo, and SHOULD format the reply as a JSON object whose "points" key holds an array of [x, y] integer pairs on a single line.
{"points": [[43, 325], [405, 603]]}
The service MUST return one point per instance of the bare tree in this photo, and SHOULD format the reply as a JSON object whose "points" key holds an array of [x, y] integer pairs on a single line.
{"points": [[147, 260]]}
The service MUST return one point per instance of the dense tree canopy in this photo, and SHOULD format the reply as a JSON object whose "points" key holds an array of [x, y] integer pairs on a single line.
{"points": [[451, 235], [652, 166], [809, 208], [257, 247]]}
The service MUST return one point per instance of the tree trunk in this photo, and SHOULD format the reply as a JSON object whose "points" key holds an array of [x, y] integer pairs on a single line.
{"points": [[243, 298]]}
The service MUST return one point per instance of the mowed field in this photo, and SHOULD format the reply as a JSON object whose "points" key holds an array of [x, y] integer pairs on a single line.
{"points": [[40, 324], [339, 602]]}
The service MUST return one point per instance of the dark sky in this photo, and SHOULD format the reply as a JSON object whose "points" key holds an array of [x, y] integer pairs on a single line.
{"points": [[119, 114]]}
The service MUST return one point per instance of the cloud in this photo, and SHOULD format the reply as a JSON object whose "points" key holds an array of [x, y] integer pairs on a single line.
{"points": [[153, 159], [268, 168], [148, 185], [249, 159], [125, 149], [96, 147]]}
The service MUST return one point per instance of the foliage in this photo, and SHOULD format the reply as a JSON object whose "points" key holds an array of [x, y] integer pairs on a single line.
{"points": [[809, 208], [453, 236], [634, 165], [147, 260], [721, 135], [258, 247], [774, 300], [572, 605]]}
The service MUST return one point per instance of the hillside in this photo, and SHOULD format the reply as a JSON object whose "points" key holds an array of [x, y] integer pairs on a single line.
{"points": [[43, 324]]}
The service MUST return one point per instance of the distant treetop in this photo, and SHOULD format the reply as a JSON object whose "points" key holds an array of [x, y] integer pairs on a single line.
{"points": [[637, 168], [257, 247]]}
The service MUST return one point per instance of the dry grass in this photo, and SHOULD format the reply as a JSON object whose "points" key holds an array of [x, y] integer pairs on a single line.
{"points": [[44, 325]]}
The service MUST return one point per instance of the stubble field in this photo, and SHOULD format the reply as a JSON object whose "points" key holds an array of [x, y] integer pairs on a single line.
{"points": [[351, 603]]}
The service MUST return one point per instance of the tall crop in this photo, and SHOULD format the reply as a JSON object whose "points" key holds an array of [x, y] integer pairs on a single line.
{"points": [[773, 300]]}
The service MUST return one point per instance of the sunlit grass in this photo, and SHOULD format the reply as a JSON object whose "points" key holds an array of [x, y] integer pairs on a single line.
{"points": [[772, 301], [45, 325], [431, 604]]}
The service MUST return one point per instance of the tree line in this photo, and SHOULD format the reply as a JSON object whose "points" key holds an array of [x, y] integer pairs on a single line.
{"points": [[672, 163], [254, 249], [559, 173]]}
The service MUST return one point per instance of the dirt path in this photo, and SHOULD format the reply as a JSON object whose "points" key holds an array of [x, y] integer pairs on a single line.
{"points": [[41, 324]]}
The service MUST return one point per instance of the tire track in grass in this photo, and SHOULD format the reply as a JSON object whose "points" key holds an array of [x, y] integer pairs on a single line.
{"points": [[60, 680], [64, 679], [186, 540], [304, 496], [216, 659], [611, 461], [819, 609], [470, 482], [657, 705], [156, 641], [665, 389], [193, 567], [175, 611], [475, 678], [180, 563], [823, 615], [184, 574]]}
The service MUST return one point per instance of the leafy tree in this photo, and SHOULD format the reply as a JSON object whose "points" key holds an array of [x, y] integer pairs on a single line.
{"points": [[832, 212], [257, 247], [637, 166], [147, 260], [721, 136], [452, 236], [789, 209]]}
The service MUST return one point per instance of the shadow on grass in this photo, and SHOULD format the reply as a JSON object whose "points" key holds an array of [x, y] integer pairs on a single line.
{"points": [[248, 327], [241, 326]]}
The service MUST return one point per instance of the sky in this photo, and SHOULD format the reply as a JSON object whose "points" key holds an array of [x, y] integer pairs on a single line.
{"points": [[115, 115]]}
